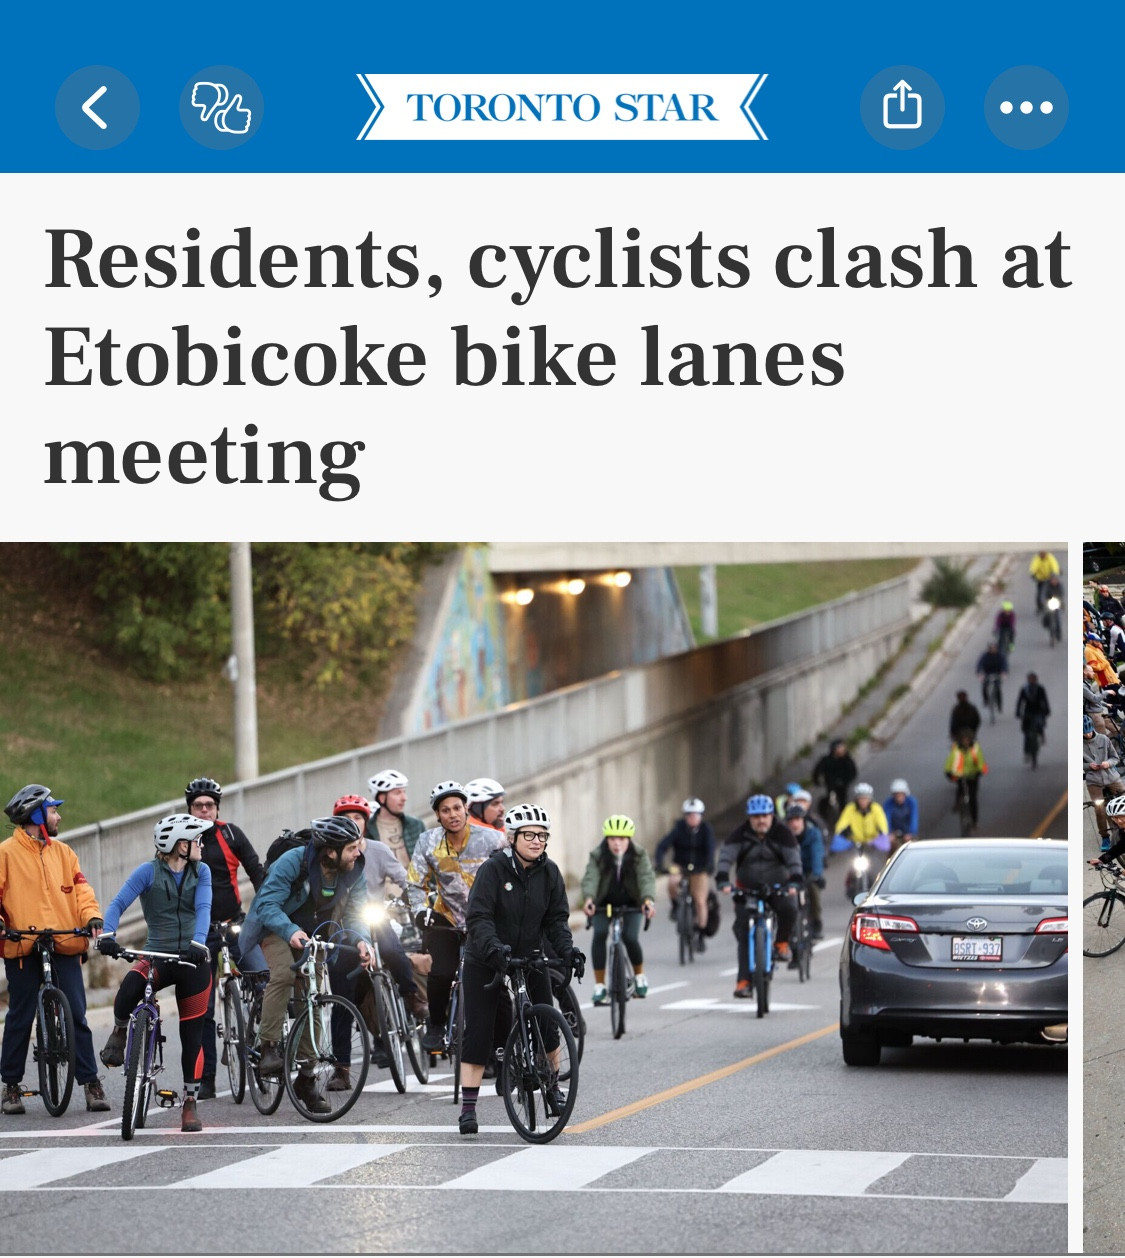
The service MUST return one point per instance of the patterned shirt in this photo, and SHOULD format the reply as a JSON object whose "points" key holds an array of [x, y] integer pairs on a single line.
{"points": [[438, 866]]}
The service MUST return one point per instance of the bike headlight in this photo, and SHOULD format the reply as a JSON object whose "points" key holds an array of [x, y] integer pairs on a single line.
{"points": [[860, 864], [374, 914], [235, 927], [1053, 604]]}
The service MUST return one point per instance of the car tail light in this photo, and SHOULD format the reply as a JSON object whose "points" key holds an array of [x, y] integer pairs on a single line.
{"points": [[867, 928], [1053, 926]]}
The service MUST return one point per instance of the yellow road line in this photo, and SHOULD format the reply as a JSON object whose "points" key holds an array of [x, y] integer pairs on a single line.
{"points": [[1041, 829], [691, 1085]]}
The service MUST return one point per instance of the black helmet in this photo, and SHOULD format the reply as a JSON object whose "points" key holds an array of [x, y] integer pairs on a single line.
{"points": [[333, 832], [202, 786], [25, 801]]}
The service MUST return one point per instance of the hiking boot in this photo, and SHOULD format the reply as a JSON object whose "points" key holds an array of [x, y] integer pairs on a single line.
{"points": [[269, 1063], [189, 1118], [95, 1097], [379, 1056], [742, 989], [467, 1122], [207, 1088], [640, 987], [600, 996], [114, 1052], [305, 1088], [13, 1099], [341, 1080], [416, 1004]]}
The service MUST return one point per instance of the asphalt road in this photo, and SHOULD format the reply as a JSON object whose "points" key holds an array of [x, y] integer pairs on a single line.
{"points": [[703, 1130]]}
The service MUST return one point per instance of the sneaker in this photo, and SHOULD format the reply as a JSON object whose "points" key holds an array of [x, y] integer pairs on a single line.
{"points": [[13, 1099], [114, 1052], [555, 1099], [1106, 845], [640, 987], [341, 1080], [207, 1088], [783, 952], [433, 1041], [742, 989], [305, 1088], [600, 996], [95, 1097], [189, 1119], [269, 1063], [467, 1122]]}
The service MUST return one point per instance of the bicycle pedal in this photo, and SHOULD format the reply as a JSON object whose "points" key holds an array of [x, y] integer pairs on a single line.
{"points": [[166, 1098]]}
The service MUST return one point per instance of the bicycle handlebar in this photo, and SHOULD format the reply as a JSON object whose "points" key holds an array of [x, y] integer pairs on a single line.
{"points": [[319, 945], [137, 954], [45, 931], [624, 911]]}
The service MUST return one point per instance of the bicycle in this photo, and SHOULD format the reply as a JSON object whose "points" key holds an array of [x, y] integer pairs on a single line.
{"points": [[962, 806], [993, 695], [830, 806], [1006, 638], [265, 1091], [144, 1049], [1033, 728], [801, 941], [54, 1051], [530, 1073], [620, 981], [1052, 620], [685, 916], [1103, 914], [760, 938], [569, 1006], [234, 996]]}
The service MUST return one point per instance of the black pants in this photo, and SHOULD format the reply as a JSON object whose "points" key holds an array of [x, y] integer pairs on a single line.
{"points": [[24, 975], [487, 1011], [444, 946], [785, 906], [193, 987]]}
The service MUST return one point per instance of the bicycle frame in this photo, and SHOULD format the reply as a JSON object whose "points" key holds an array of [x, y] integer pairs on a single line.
{"points": [[758, 907], [43, 1051]]}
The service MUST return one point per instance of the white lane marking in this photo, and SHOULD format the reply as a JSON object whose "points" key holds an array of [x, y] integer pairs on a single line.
{"points": [[284, 1168], [816, 1173], [713, 1004], [828, 943], [668, 987], [549, 1168], [1044, 1181], [30, 1170]]}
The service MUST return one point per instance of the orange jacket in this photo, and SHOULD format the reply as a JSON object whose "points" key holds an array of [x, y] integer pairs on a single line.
{"points": [[1103, 669], [41, 885]]}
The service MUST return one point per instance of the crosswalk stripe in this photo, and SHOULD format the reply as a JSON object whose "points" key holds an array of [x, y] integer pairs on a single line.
{"points": [[712, 1004], [549, 1168], [288, 1168], [816, 1173], [1045, 1181], [30, 1170]]}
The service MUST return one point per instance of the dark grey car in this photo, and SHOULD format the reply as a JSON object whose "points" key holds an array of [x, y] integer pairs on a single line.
{"points": [[958, 939]]}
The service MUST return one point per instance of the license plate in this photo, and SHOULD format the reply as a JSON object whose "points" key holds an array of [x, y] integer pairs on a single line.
{"points": [[976, 948]]}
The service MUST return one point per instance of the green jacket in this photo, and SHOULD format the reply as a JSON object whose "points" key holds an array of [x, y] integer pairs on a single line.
{"points": [[600, 884]]}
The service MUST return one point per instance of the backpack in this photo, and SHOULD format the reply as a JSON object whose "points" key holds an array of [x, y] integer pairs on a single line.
{"points": [[286, 841]]}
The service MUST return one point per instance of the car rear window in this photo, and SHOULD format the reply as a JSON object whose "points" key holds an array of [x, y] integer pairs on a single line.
{"points": [[982, 872]]}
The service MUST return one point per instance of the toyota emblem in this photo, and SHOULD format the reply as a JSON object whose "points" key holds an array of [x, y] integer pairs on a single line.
{"points": [[976, 923]]}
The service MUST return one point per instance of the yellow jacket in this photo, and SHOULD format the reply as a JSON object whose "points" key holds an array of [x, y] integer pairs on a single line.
{"points": [[965, 762], [864, 825], [41, 885], [1041, 569]]}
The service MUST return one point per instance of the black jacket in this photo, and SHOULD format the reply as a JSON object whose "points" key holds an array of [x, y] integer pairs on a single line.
{"points": [[836, 772], [1032, 701], [515, 906], [224, 849], [963, 716], [775, 857], [689, 847]]}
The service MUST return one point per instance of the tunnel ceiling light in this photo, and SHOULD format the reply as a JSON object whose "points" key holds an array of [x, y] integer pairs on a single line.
{"points": [[524, 595], [575, 585], [622, 579]]}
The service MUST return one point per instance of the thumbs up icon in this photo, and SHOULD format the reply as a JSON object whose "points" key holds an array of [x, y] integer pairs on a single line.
{"points": [[234, 118], [221, 107]]}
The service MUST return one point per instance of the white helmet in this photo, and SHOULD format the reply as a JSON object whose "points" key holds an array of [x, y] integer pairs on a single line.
{"points": [[900, 784], [444, 789], [692, 805], [1116, 806], [482, 790], [168, 831], [385, 780], [864, 788], [531, 815], [797, 796]]}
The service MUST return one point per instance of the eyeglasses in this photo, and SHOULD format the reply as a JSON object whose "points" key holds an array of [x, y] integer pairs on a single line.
{"points": [[204, 803], [534, 836]]}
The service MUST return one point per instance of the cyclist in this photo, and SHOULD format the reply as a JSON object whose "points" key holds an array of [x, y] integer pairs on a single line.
{"points": [[1100, 766], [486, 803], [174, 889], [966, 763], [901, 810], [389, 822], [691, 841], [42, 885], [963, 715], [445, 862], [862, 824], [811, 840], [517, 899], [1112, 850], [1033, 708], [321, 881], [618, 873], [1043, 566], [762, 852], [991, 667], [225, 849], [782, 801], [837, 771], [1094, 655], [1004, 628]]}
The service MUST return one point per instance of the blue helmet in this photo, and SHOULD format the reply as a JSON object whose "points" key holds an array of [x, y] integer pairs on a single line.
{"points": [[1087, 726], [759, 805], [791, 788]]}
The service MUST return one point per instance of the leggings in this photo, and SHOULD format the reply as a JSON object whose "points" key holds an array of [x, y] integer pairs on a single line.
{"points": [[193, 987], [630, 935]]}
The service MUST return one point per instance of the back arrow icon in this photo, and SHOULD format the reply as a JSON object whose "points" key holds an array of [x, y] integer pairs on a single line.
{"points": [[86, 107]]}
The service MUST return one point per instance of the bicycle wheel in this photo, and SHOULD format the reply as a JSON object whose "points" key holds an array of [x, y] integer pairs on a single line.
{"points": [[966, 815], [802, 945], [618, 992], [1103, 923], [419, 1058], [309, 1067], [136, 1082], [528, 1080], [265, 1091], [684, 927], [54, 1049], [390, 1028], [1031, 747], [572, 1012], [759, 976], [234, 1039], [457, 1042]]}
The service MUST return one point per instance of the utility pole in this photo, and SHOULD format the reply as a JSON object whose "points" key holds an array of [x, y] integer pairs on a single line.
{"points": [[708, 601], [240, 666]]}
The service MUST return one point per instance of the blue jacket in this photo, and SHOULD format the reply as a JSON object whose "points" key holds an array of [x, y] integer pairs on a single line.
{"points": [[902, 816], [288, 884], [812, 851]]}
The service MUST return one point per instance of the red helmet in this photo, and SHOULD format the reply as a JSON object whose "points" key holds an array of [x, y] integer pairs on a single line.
{"points": [[352, 803]]}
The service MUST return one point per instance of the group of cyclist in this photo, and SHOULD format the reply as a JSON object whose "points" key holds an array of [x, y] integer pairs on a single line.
{"points": [[1103, 726]]}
